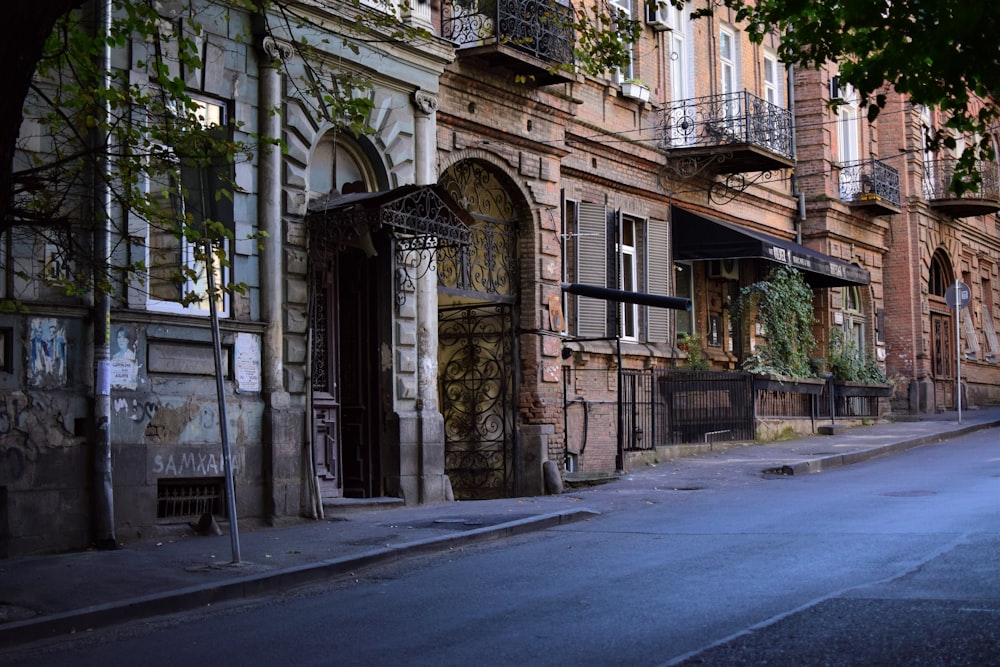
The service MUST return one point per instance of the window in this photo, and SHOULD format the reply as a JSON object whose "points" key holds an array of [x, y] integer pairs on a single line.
{"points": [[682, 129], [628, 72], [854, 321], [772, 85], [926, 132], [938, 281], [729, 80], [728, 73], [628, 277], [847, 143], [183, 193], [338, 165], [680, 77], [610, 249]]}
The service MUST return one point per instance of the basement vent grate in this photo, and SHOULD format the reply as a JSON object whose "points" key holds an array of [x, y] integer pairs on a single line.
{"points": [[189, 498]]}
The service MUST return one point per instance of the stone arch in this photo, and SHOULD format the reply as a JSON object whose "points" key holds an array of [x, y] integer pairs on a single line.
{"points": [[390, 147], [478, 355]]}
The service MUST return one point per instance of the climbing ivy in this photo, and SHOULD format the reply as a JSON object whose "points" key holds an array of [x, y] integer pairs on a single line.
{"points": [[783, 304]]}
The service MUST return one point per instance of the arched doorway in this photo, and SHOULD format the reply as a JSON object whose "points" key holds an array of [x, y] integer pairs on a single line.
{"points": [[349, 287], [942, 332], [478, 293]]}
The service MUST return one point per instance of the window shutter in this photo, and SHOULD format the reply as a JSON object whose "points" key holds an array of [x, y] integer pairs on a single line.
{"points": [[971, 336], [613, 311], [991, 333], [657, 279], [592, 269]]}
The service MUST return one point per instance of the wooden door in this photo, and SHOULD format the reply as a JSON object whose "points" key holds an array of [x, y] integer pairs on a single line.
{"points": [[943, 360]]}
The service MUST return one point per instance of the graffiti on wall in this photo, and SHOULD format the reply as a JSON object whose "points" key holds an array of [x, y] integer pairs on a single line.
{"points": [[46, 353], [189, 464]]}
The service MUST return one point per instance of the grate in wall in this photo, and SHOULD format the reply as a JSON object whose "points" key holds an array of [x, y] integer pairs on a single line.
{"points": [[189, 498]]}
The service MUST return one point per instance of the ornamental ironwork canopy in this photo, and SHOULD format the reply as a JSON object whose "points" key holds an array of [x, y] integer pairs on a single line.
{"points": [[698, 237], [419, 216]]}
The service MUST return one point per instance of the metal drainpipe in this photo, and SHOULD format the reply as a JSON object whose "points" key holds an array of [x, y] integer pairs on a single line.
{"points": [[104, 524], [790, 86]]}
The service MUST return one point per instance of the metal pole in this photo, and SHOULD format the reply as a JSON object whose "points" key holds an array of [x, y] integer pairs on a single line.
{"points": [[104, 522], [220, 389], [958, 350]]}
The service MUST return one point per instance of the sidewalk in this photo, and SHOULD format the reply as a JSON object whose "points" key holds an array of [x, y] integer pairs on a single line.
{"points": [[45, 596]]}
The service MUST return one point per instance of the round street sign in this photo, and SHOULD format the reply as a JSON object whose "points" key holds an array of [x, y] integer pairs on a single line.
{"points": [[958, 293]]}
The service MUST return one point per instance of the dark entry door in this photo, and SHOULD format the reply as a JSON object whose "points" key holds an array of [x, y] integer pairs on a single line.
{"points": [[347, 406], [360, 404]]}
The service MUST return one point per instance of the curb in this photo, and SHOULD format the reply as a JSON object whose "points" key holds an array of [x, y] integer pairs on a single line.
{"points": [[257, 585], [840, 460]]}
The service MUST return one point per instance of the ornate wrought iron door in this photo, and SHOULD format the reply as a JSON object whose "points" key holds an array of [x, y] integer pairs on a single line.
{"points": [[476, 385], [477, 350]]}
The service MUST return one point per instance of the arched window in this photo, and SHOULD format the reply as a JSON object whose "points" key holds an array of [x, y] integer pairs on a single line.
{"points": [[338, 165], [854, 319], [939, 278]]}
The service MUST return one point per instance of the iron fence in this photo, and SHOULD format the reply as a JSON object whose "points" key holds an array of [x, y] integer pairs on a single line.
{"points": [[704, 406]]}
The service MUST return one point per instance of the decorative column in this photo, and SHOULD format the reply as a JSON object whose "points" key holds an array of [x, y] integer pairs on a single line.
{"points": [[269, 211], [280, 433], [433, 483]]}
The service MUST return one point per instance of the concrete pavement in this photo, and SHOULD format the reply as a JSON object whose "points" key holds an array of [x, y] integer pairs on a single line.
{"points": [[47, 596]]}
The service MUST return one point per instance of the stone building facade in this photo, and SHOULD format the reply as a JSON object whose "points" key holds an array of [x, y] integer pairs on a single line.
{"points": [[413, 324]]}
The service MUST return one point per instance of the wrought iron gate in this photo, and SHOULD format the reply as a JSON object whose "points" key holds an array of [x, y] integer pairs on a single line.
{"points": [[477, 397]]}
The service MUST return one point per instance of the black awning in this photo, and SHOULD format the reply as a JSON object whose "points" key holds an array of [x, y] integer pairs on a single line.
{"points": [[421, 216], [698, 237]]}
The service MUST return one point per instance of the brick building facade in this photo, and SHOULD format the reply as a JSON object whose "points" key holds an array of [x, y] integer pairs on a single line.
{"points": [[413, 324]]}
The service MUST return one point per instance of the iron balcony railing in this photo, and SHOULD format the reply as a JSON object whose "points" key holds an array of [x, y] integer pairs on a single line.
{"points": [[539, 28], [727, 119], [869, 180], [938, 175]]}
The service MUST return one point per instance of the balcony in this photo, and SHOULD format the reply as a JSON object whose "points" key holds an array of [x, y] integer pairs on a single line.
{"points": [[870, 185], [940, 195], [731, 133], [533, 38]]}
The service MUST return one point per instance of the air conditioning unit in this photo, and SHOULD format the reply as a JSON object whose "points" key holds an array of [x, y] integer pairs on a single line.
{"points": [[658, 16], [728, 269]]}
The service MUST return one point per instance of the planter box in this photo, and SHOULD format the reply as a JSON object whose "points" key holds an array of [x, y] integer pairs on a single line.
{"points": [[844, 388], [813, 386], [636, 91]]}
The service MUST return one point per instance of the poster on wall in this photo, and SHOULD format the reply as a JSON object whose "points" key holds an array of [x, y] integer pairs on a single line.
{"points": [[124, 362], [247, 362], [46, 353]]}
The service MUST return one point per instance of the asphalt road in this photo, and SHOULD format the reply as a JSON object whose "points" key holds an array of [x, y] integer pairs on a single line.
{"points": [[892, 562]]}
